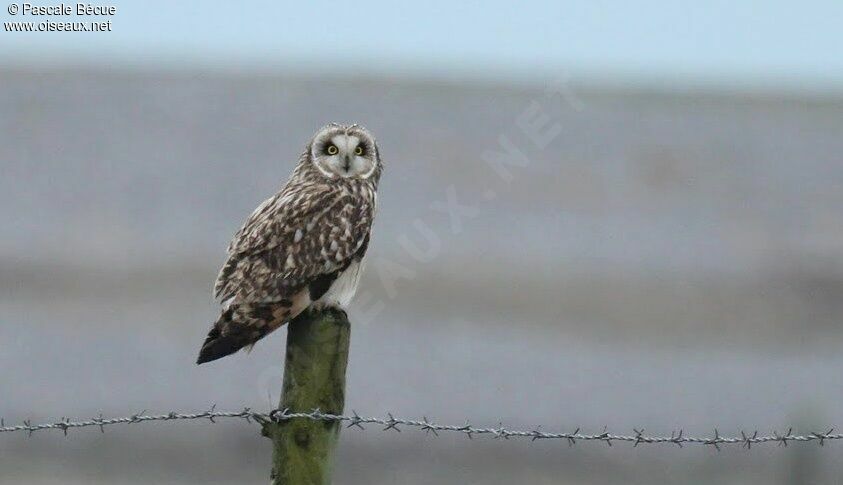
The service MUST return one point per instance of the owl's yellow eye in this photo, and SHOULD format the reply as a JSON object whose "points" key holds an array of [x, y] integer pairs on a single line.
{"points": [[333, 150], [358, 150]]}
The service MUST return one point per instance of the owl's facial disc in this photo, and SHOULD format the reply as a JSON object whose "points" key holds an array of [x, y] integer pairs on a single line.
{"points": [[345, 154]]}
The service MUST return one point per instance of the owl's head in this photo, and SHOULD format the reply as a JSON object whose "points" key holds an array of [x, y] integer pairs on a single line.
{"points": [[345, 151]]}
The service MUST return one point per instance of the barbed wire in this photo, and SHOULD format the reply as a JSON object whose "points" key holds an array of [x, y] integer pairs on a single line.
{"points": [[390, 422]]}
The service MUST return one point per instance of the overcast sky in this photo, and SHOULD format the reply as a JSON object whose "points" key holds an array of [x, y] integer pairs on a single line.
{"points": [[770, 43]]}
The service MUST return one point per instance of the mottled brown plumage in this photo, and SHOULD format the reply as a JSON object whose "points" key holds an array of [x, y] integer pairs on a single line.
{"points": [[304, 245]]}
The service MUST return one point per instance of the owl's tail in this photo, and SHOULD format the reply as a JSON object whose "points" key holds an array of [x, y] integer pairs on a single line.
{"points": [[239, 327]]}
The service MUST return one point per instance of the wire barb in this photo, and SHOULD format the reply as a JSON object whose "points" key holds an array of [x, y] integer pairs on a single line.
{"points": [[572, 438], [427, 427], [355, 420], [392, 423], [822, 436]]}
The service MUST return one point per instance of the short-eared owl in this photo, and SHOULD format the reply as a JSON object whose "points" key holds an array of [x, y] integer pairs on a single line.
{"points": [[302, 246]]}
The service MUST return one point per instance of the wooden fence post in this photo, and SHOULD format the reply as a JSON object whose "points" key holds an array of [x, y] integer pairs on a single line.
{"points": [[314, 377]]}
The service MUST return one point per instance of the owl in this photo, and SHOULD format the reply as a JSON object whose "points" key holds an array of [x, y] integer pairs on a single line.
{"points": [[303, 246]]}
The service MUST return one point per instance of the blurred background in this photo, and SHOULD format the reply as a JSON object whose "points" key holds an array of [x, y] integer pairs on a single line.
{"points": [[668, 255]]}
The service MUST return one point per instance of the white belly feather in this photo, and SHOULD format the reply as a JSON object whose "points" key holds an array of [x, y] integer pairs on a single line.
{"points": [[343, 288]]}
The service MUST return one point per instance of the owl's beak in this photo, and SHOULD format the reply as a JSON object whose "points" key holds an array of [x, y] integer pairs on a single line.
{"points": [[346, 163]]}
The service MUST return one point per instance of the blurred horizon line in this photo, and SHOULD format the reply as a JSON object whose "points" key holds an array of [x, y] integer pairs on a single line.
{"points": [[523, 78]]}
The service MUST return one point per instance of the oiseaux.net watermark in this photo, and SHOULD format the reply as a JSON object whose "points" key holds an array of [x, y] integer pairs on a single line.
{"points": [[63, 17]]}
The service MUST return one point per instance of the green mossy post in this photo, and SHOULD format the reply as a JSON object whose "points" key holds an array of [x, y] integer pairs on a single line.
{"points": [[314, 377]]}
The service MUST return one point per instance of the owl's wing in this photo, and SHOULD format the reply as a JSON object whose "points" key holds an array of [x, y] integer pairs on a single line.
{"points": [[291, 240], [285, 256]]}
